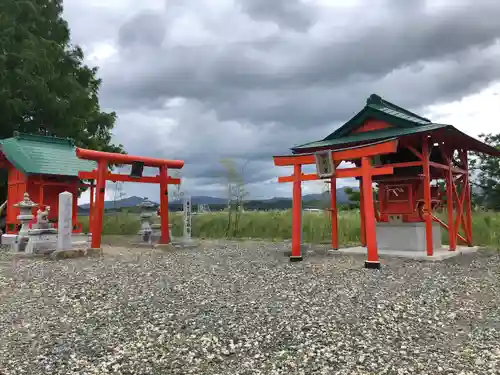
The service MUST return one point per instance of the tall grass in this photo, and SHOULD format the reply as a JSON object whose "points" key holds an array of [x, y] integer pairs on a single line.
{"points": [[276, 225]]}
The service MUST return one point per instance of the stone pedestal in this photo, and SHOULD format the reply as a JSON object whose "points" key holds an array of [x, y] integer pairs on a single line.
{"points": [[406, 236], [41, 241], [156, 232], [42, 238]]}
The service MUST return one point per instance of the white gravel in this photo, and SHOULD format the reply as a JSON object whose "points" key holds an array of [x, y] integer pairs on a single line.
{"points": [[243, 308]]}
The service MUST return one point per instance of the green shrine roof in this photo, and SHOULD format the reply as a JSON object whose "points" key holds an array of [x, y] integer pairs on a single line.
{"points": [[403, 122], [37, 154]]}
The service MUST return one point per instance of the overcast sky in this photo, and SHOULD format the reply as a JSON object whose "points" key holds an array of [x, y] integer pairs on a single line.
{"points": [[201, 80]]}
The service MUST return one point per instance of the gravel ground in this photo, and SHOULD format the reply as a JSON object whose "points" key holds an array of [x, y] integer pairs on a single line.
{"points": [[242, 308]]}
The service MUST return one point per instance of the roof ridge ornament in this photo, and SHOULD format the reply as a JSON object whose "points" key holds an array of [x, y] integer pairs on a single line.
{"points": [[374, 99]]}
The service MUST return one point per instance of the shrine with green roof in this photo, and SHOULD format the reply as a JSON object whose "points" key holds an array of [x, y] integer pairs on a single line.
{"points": [[42, 166], [404, 155]]}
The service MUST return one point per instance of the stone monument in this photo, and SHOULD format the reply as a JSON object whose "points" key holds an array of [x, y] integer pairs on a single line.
{"points": [[187, 211], [186, 241], [65, 221]]}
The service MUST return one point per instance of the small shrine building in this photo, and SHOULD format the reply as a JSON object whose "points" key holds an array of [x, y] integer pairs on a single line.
{"points": [[43, 167], [404, 155]]}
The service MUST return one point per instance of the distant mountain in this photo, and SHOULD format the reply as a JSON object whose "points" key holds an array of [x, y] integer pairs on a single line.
{"points": [[196, 200], [342, 197], [122, 203], [203, 200]]}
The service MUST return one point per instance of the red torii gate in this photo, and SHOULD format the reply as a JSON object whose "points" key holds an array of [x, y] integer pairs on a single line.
{"points": [[366, 171], [102, 174]]}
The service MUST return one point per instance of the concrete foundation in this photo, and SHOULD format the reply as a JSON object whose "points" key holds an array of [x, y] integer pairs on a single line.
{"points": [[440, 253], [406, 236], [77, 239]]}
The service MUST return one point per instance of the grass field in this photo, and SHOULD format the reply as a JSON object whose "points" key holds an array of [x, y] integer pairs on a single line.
{"points": [[276, 225]]}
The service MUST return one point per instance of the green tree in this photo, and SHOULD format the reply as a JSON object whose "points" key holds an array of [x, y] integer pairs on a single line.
{"points": [[486, 173], [45, 87], [354, 197]]}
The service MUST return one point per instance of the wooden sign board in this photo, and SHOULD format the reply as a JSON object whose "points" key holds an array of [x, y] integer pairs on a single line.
{"points": [[137, 169], [325, 166]]}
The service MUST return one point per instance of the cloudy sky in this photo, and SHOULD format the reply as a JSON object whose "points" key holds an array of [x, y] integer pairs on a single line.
{"points": [[202, 80]]}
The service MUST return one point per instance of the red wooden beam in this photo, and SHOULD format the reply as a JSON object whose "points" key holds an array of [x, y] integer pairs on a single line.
{"points": [[446, 167], [415, 152], [114, 158], [340, 173], [124, 178], [405, 165], [52, 183], [445, 226], [347, 154]]}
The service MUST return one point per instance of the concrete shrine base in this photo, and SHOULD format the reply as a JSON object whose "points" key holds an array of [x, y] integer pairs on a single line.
{"points": [[77, 239], [439, 254], [406, 236]]}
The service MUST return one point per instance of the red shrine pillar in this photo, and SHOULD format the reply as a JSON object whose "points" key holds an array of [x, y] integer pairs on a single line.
{"points": [[427, 196], [369, 213], [452, 237], [467, 202], [91, 204], [333, 201], [165, 235], [296, 214], [362, 213], [97, 221]]}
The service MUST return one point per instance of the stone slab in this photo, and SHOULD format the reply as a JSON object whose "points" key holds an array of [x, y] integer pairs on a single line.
{"points": [[439, 254], [71, 253], [43, 243], [189, 244], [178, 245]]}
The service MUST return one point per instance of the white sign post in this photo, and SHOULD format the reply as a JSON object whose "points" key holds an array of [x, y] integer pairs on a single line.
{"points": [[65, 221], [187, 218]]}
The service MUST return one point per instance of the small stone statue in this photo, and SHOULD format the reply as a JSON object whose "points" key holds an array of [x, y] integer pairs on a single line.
{"points": [[42, 219]]}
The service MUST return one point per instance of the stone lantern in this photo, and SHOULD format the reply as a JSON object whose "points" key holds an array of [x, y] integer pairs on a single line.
{"points": [[25, 216], [146, 216]]}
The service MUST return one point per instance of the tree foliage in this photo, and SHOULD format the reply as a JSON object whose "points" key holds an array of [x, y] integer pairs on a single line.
{"points": [[486, 175], [354, 197], [45, 87]]}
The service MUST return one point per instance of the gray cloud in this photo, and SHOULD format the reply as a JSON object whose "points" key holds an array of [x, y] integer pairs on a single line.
{"points": [[144, 29], [292, 14], [200, 82]]}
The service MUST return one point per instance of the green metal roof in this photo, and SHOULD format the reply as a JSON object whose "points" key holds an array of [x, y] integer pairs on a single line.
{"points": [[378, 108], [36, 154], [404, 123], [370, 136]]}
